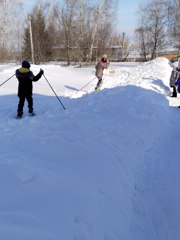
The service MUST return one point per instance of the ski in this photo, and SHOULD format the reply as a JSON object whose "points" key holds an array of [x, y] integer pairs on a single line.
{"points": [[30, 115], [18, 117]]}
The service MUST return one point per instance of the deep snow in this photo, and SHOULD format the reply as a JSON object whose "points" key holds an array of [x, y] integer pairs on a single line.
{"points": [[106, 168]]}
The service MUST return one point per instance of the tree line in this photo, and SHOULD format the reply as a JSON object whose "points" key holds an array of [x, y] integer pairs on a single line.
{"points": [[158, 27], [81, 30]]}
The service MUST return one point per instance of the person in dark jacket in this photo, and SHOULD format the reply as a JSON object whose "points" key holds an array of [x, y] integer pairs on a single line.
{"points": [[25, 87], [172, 81]]}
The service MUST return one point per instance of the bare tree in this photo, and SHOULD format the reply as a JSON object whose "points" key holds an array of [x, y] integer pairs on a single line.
{"points": [[66, 13], [102, 26], [174, 26], [143, 41], [85, 27], [8, 24], [81, 30], [4, 28], [97, 16], [152, 33]]}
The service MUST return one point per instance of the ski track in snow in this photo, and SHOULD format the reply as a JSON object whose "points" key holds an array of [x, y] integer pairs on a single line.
{"points": [[106, 168]]}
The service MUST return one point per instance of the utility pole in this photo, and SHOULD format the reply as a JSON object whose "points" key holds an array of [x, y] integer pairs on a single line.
{"points": [[122, 49], [31, 38], [123, 45]]}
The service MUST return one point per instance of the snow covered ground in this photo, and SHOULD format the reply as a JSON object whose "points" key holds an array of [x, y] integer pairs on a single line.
{"points": [[105, 168]]}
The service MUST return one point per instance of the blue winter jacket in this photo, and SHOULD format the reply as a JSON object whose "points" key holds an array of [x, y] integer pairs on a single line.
{"points": [[177, 83]]}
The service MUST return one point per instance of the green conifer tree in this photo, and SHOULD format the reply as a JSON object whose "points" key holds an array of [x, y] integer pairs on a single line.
{"points": [[40, 35]]}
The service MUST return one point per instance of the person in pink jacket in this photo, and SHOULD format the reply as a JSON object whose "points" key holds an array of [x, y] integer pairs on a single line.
{"points": [[101, 65]]}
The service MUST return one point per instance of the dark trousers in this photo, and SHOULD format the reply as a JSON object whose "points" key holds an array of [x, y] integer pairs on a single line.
{"points": [[99, 83], [21, 104], [174, 94]]}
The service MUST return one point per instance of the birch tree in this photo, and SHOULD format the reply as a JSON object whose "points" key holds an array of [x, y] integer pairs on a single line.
{"points": [[101, 28], [97, 16], [8, 21], [66, 13], [175, 23], [154, 27], [85, 27]]}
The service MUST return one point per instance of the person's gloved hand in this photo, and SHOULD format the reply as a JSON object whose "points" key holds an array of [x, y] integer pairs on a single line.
{"points": [[41, 72]]}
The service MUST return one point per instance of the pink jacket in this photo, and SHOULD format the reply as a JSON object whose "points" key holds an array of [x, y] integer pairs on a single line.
{"points": [[100, 68]]}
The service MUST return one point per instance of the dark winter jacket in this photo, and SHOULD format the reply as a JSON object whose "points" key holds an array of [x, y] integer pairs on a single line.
{"points": [[25, 78]]}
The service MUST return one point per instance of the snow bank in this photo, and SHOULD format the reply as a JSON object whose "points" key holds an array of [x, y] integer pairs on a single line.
{"points": [[103, 169]]}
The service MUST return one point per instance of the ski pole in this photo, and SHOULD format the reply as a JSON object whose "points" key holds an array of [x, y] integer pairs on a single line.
{"points": [[7, 80], [54, 92], [85, 85]]}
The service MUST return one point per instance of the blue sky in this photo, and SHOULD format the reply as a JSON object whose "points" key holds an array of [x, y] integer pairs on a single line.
{"points": [[127, 16]]}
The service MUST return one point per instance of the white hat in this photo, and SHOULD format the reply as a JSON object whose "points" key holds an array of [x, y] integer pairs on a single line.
{"points": [[104, 56]]}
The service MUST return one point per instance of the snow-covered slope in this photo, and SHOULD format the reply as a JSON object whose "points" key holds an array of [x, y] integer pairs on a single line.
{"points": [[106, 168]]}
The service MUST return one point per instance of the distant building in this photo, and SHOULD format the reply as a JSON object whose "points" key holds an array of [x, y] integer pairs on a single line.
{"points": [[172, 55]]}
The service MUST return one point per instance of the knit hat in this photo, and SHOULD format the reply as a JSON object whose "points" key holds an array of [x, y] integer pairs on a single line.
{"points": [[26, 64], [104, 56]]}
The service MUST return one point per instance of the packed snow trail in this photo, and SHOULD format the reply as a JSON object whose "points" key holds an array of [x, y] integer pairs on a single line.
{"points": [[106, 168]]}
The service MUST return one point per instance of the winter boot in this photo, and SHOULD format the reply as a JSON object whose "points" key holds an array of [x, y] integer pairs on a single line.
{"points": [[19, 114], [30, 110], [31, 113], [174, 94]]}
